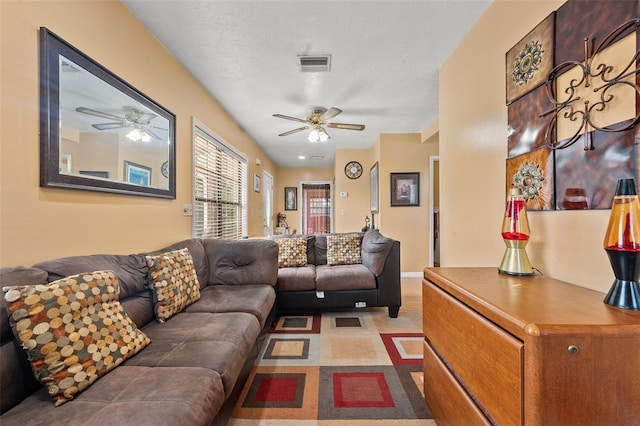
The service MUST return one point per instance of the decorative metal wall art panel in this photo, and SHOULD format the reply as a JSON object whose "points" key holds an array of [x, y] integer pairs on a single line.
{"points": [[526, 125], [532, 173], [528, 62], [593, 174]]}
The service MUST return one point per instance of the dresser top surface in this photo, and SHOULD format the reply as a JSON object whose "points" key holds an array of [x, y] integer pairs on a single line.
{"points": [[517, 302]]}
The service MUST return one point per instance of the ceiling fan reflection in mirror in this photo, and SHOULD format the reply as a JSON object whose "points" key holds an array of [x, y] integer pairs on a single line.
{"points": [[133, 117], [317, 121]]}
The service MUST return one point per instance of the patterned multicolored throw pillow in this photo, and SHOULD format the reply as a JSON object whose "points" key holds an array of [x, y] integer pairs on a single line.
{"points": [[174, 282], [292, 252], [344, 249], [73, 330]]}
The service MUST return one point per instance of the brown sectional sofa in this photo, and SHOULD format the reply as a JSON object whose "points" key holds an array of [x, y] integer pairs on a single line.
{"points": [[197, 359], [318, 286]]}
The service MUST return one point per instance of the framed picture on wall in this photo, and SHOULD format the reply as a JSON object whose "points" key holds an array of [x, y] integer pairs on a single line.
{"points": [[290, 198], [405, 189], [373, 188], [137, 174], [256, 183]]}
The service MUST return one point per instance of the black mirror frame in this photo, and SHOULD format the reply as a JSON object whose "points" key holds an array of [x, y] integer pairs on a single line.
{"points": [[51, 46]]}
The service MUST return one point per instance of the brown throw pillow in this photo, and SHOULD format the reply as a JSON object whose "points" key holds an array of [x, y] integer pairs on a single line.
{"points": [[292, 252], [344, 249], [174, 282], [73, 330]]}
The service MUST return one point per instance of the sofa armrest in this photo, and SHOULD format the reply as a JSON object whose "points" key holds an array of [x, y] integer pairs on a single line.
{"points": [[238, 262], [389, 289]]}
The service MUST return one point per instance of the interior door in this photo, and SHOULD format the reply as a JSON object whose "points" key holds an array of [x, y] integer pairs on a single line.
{"points": [[316, 207], [267, 203]]}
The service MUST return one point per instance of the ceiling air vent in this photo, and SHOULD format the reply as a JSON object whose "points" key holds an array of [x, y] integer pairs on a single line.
{"points": [[314, 63]]}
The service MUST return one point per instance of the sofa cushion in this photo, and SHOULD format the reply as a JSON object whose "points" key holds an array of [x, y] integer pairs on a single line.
{"points": [[220, 342], [344, 277], [297, 279], [174, 282], [240, 262], [292, 252], [375, 249], [255, 299], [344, 249], [132, 270], [73, 330], [131, 396], [320, 249]]}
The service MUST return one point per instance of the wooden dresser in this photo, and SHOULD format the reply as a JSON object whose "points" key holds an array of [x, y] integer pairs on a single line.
{"points": [[512, 350]]}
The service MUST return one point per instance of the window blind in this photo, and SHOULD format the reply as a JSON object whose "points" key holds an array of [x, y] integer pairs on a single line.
{"points": [[220, 188]]}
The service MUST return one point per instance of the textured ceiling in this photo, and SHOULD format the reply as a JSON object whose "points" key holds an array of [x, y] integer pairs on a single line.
{"points": [[385, 57]]}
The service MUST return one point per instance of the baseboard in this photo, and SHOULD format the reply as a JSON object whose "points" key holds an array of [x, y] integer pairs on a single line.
{"points": [[411, 275]]}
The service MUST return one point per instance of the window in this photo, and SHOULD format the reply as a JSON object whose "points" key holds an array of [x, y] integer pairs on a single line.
{"points": [[220, 187]]}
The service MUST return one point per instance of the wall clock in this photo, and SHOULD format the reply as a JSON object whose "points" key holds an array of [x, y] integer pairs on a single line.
{"points": [[353, 170], [165, 169]]}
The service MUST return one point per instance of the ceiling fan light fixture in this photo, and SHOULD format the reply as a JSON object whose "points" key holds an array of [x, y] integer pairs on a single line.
{"points": [[314, 136], [324, 136], [136, 135], [318, 135]]}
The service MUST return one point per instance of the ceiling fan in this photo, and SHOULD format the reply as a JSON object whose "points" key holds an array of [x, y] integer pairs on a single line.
{"points": [[132, 117], [318, 120]]}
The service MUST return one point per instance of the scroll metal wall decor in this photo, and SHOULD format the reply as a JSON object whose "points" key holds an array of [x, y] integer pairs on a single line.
{"points": [[593, 95]]}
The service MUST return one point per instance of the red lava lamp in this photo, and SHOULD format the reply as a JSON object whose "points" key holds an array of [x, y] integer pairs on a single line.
{"points": [[622, 244], [515, 233]]}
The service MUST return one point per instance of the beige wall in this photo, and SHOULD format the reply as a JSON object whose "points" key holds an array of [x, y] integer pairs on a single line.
{"points": [[395, 153], [293, 176], [473, 121], [43, 223], [350, 211], [400, 153]]}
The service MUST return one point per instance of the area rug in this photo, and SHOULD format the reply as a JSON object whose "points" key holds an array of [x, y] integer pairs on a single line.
{"points": [[337, 368]]}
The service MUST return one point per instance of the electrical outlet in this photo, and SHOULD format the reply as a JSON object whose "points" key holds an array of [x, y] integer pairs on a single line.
{"points": [[187, 210]]}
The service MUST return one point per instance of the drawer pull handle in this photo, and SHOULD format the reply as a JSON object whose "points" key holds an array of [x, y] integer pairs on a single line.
{"points": [[573, 350]]}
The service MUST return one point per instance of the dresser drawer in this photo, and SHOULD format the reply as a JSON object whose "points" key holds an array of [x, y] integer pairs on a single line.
{"points": [[486, 359], [447, 400]]}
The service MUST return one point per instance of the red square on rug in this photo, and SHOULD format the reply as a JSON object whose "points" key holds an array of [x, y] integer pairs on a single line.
{"points": [[361, 390], [276, 391], [404, 348]]}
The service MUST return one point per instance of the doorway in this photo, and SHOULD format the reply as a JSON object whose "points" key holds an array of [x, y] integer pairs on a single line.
{"points": [[434, 210], [267, 203], [316, 208]]}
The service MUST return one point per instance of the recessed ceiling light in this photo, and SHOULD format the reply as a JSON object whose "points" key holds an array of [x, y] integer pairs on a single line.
{"points": [[301, 157]]}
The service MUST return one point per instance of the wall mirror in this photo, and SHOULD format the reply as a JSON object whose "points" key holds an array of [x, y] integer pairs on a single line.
{"points": [[96, 131]]}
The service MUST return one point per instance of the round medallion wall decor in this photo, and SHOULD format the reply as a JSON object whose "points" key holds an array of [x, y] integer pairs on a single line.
{"points": [[353, 170], [165, 169]]}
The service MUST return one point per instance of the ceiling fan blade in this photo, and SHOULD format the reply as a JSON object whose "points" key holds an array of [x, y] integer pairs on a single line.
{"points": [[330, 113], [150, 132], [299, 129], [99, 113], [346, 126], [146, 118], [286, 117], [109, 126]]}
